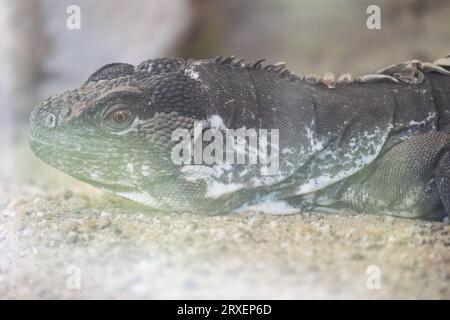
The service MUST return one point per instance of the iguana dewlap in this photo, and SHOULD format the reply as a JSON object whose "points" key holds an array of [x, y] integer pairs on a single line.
{"points": [[378, 143]]}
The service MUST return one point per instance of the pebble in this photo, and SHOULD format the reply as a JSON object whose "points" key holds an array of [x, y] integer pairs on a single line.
{"points": [[70, 226], [72, 237], [24, 253], [252, 222], [90, 223], [285, 244], [86, 212], [15, 203], [273, 224], [8, 213], [349, 233], [42, 223], [357, 256], [192, 226], [105, 214], [3, 204], [68, 194], [219, 233], [27, 232], [236, 236], [103, 222], [326, 229], [20, 227]]}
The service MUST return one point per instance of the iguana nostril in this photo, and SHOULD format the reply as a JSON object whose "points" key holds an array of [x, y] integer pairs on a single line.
{"points": [[50, 120]]}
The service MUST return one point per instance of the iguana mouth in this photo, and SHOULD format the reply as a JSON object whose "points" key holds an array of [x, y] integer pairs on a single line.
{"points": [[52, 153], [34, 142]]}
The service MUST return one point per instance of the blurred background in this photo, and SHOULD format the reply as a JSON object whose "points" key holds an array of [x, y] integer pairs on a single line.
{"points": [[49, 221]]}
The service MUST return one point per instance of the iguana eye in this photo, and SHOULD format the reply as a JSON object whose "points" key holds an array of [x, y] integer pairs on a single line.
{"points": [[121, 116], [118, 118]]}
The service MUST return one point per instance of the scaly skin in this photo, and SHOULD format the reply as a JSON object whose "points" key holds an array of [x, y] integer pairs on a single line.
{"points": [[376, 144]]}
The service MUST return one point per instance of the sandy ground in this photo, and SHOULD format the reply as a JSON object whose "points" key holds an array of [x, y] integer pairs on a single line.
{"points": [[73, 241], [60, 238]]}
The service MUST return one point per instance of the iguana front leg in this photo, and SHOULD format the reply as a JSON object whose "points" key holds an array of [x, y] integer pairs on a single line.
{"points": [[443, 180], [412, 179]]}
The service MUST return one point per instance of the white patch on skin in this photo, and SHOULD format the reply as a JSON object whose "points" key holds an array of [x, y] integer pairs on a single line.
{"points": [[216, 122], [93, 175], [191, 73], [130, 167], [146, 171], [267, 180], [427, 120], [223, 170], [194, 173], [243, 173], [323, 181], [217, 189], [324, 200], [371, 141], [141, 197], [287, 151], [314, 143]]}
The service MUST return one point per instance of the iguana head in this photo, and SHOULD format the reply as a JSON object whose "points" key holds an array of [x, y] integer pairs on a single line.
{"points": [[114, 131]]}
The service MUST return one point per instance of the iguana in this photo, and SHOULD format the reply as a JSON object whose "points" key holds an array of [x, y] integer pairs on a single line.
{"points": [[378, 143]]}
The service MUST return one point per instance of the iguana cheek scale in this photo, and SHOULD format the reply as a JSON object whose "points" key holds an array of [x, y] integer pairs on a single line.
{"points": [[377, 143]]}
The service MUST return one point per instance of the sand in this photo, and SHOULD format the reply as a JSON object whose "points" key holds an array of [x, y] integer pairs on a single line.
{"points": [[69, 240]]}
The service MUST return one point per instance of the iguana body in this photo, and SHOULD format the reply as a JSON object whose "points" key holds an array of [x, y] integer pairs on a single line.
{"points": [[380, 143]]}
